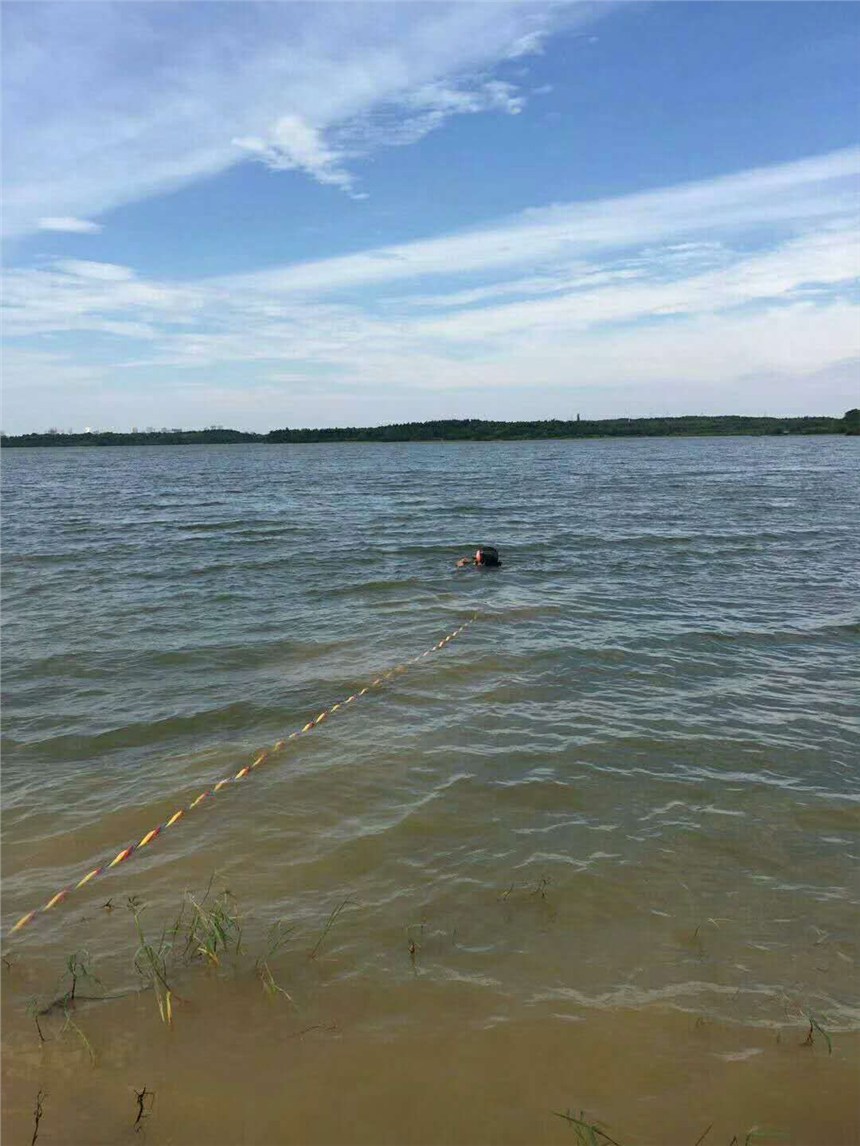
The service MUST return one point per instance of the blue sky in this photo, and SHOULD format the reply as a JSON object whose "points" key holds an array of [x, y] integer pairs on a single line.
{"points": [[261, 215]]}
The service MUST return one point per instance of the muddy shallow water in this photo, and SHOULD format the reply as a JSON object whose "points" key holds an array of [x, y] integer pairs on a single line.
{"points": [[596, 857]]}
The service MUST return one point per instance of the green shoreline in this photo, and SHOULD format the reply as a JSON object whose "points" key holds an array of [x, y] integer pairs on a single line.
{"points": [[460, 430]]}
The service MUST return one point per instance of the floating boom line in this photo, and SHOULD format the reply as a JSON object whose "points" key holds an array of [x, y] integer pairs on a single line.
{"points": [[260, 758]]}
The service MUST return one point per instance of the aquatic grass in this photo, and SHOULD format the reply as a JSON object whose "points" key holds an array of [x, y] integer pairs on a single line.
{"points": [[795, 1011], [267, 979], [150, 962], [411, 946], [203, 929], [38, 1113], [70, 1023], [330, 922], [145, 1102], [197, 931], [756, 1134], [278, 936], [586, 1133], [35, 1012], [213, 929], [540, 887], [316, 1027], [538, 890], [78, 969], [589, 1133], [814, 1026], [530, 898], [696, 941]]}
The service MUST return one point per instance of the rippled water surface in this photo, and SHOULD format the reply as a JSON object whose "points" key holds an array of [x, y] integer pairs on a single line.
{"points": [[598, 853]]}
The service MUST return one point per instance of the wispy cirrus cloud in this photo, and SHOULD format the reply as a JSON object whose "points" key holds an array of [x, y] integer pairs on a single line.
{"points": [[294, 144], [108, 103], [700, 288], [425, 109], [68, 225], [781, 199]]}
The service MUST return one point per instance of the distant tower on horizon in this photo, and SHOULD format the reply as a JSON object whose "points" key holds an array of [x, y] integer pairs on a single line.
{"points": [[577, 417]]}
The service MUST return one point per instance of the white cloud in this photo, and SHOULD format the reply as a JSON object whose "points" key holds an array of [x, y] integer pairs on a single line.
{"points": [[437, 103], [823, 260], [102, 272], [686, 289], [294, 143], [531, 44], [76, 295], [106, 104], [793, 195], [28, 371], [426, 108], [68, 224]]}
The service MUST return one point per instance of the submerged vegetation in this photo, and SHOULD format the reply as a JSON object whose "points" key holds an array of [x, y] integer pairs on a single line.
{"points": [[459, 430], [208, 933], [586, 1132], [205, 931], [590, 1133]]}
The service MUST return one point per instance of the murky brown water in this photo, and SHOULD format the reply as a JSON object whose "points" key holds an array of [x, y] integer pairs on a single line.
{"points": [[598, 854], [421, 1062]]}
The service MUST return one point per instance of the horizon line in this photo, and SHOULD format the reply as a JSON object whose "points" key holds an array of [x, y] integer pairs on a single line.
{"points": [[578, 420]]}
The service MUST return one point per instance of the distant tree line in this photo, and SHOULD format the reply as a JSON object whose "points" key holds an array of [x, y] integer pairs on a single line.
{"points": [[462, 430]]}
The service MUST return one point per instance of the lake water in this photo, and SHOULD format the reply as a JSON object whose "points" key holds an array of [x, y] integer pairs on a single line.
{"points": [[598, 853]]}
